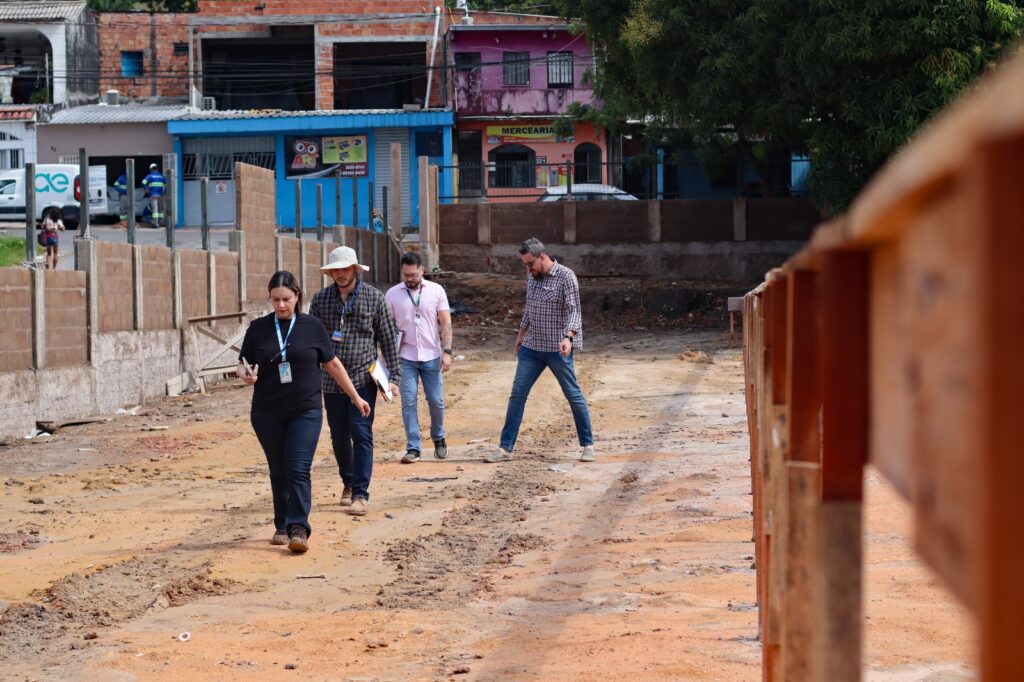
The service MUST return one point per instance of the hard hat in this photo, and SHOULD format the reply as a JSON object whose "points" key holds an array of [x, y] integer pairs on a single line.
{"points": [[153, 166]]}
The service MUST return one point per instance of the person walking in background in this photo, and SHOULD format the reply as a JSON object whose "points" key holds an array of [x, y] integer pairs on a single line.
{"points": [[121, 187], [359, 323], [49, 237], [282, 354], [155, 184], [420, 309], [550, 330]]}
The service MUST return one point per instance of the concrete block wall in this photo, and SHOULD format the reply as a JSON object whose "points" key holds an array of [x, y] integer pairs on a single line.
{"points": [[290, 257], [157, 287], [16, 308], [255, 212], [67, 335], [314, 280], [195, 290], [115, 286]]}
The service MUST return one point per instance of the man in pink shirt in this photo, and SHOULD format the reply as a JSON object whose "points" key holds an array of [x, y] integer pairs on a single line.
{"points": [[420, 309]]}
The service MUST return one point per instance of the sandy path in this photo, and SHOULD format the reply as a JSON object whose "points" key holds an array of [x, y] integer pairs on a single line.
{"points": [[638, 566]]}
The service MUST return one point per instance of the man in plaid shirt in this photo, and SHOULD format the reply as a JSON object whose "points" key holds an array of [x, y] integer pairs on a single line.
{"points": [[550, 330], [358, 321]]}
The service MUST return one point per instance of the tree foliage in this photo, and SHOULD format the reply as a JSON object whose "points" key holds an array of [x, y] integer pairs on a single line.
{"points": [[845, 81], [144, 5]]}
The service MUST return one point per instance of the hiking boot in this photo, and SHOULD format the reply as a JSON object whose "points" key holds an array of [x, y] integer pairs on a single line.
{"points": [[440, 449], [499, 455], [359, 507], [346, 496], [589, 454], [411, 456], [298, 540], [280, 538]]}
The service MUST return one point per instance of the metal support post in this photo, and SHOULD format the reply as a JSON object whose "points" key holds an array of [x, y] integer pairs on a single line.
{"points": [[355, 202], [204, 204], [568, 177], [337, 197], [129, 174], [319, 212], [169, 207], [298, 209], [30, 213], [384, 200], [83, 186]]}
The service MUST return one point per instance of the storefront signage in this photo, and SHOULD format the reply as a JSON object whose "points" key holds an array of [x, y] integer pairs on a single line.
{"points": [[523, 133], [321, 156]]}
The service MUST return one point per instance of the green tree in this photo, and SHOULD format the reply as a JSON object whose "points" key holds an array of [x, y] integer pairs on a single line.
{"points": [[845, 81]]}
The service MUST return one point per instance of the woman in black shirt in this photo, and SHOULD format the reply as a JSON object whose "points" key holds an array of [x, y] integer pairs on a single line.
{"points": [[287, 404]]}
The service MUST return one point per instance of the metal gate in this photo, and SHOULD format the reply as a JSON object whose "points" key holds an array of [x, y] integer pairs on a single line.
{"points": [[215, 158]]}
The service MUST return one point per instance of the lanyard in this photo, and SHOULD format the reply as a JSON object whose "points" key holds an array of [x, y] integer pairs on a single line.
{"points": [[283, 343], [345, 309], [415, 301]]}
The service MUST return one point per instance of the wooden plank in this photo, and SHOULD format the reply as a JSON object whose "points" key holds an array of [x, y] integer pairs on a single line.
{"points": [[842, 311], [802, 385], [802, 484], [838, 599], [220, 316]]}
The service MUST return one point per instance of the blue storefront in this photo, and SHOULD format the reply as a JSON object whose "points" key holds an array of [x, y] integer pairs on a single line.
{"points": [[308, 147]]}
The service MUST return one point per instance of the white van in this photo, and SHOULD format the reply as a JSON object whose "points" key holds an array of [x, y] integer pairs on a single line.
{"points": [[57, 186]]}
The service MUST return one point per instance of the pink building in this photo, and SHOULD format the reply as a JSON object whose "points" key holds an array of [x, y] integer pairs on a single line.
{"points": [[510, 82]]}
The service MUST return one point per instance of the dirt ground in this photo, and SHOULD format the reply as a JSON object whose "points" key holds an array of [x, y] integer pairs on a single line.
{"points": [[134, 551]]}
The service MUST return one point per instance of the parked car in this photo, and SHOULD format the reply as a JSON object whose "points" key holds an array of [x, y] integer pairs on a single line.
{"points": [[586, 192], [57, 186]]}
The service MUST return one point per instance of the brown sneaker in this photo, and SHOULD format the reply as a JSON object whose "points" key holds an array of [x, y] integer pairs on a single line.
{"points": [[280, 538], [359, 507], [346, 496], [298, 541]]}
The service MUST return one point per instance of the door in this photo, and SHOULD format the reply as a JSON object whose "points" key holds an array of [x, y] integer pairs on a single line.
{"points": [[471, 174]]}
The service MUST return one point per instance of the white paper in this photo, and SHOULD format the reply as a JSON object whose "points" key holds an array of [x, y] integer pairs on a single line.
{"points": [[380, 375]]}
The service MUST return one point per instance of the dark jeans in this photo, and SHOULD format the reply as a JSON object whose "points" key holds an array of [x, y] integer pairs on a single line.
{"points": [[289, 445], [530, 366], [352, 438]]}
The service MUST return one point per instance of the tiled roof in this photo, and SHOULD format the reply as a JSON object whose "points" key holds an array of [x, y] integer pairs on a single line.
{"points": [[45, 10], [122, 113], [17, 113]]}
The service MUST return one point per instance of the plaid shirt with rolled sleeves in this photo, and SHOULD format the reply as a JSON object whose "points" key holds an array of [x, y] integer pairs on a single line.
{"points": [[552, 310], [366, 325]]}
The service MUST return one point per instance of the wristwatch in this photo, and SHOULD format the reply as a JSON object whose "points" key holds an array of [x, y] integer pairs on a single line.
{"points": [[447, 350]]}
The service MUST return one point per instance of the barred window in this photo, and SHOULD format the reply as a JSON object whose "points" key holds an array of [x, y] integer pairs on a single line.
{"points": [[516, 68], [560, 70]]}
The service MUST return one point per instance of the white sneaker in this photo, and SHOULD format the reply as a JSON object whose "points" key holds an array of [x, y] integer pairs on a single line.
{"points": [[500, 454], [589, 454]]}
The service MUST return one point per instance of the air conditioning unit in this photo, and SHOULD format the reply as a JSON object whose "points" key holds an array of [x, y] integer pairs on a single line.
{"points": [[209, 104]]}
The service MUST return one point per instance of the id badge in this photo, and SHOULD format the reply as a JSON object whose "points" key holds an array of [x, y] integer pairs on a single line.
{"points": [[336, 336], [416, 320], [285, 370]]}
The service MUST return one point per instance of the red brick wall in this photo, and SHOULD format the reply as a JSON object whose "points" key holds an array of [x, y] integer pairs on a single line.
{"points": [[115, 292], [66, 337], [195, 301], [157, 291], [514, 223], [16, 309], [458, 224], [131, 31], [254, 215], [226, 265]]}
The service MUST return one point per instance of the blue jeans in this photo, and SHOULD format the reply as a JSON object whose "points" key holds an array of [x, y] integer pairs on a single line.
{"points": [[529, 368], [289, 445], [352, 438], [433, 389]]}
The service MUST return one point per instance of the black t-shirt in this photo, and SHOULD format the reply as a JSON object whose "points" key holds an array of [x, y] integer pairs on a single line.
{"points": [[308, 347]]}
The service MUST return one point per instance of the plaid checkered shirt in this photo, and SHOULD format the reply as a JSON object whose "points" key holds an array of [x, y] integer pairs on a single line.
{"points": [[552, 310], [364, 323]]}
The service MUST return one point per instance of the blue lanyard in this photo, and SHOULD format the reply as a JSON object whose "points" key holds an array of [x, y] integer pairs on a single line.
{"points": [[283, 343], [343, 311]]}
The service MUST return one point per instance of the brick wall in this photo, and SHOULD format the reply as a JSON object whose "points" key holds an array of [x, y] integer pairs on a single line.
{"points": [[611, 222], [313, 275], [133, 31], [67, 341], [194, 285], [513, 223], [458, 223], [115, 293], [289, 256], [684, 220], [16, 308], [771, 219], [255, 212], [157, 288]]}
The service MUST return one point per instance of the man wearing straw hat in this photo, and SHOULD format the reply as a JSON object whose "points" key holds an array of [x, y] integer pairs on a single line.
{"points": [[358, 321]]}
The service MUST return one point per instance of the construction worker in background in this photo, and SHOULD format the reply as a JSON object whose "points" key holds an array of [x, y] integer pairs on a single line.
{"points": [[121, 185], [154, 184]]}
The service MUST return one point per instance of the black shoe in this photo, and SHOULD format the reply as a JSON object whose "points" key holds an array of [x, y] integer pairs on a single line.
{"points": [[411, 456], [298, 540], [440, 449]]}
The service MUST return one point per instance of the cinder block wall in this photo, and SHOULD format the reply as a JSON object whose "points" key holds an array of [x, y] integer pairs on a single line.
{"points": [[16, 332], [255, 218], [226, 267], [114, 284], [314, 280], [157, 288], [194, 285], [67, 337]]}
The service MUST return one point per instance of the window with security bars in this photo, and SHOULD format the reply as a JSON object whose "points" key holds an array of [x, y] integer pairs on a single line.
{"points": [[560, 69], [516, 67], [222, 166]]}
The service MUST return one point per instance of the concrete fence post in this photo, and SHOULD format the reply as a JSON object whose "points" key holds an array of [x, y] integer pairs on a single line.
{"points": [[236, 243], [325, 250], [339, 235], [129, 176], [137, 288], [85, 257], [739, 219], [654, 221], [176, 288], [83, 191], [38, 277], [278, 254], [211, 283], [423, 187], [568, 222], [302, 265], [483, 223]]}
